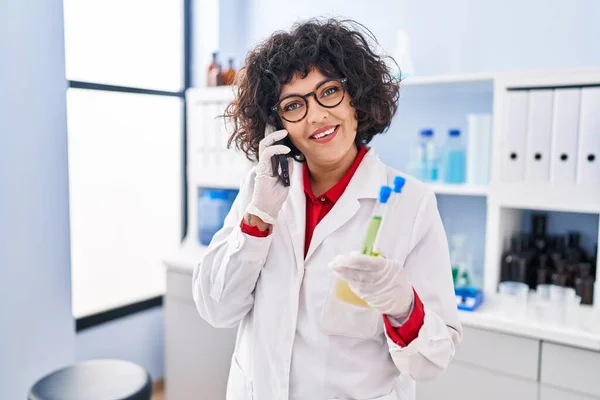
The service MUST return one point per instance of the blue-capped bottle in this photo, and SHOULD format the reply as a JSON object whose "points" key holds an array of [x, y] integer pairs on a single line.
{"points": [[453, 158], [424, 157]]}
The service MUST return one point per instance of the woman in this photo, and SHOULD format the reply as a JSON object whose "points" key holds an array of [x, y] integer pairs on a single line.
{"points": [[273, 267]]}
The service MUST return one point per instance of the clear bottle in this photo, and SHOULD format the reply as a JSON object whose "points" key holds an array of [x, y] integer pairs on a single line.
{"points": [[424, 157], [214, 71], [460, 262], [453, 158]]}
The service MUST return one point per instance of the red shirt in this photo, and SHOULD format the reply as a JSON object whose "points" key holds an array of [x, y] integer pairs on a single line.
{"points": [[316, 209]]}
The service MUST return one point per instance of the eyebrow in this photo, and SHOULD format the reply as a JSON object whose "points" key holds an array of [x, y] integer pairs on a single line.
{"points": [[298, 94]]}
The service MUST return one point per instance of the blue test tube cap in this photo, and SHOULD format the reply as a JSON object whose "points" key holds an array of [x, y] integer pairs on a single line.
{"points": [[384, 194], [454, 132], [426, 132], [399, 182]]}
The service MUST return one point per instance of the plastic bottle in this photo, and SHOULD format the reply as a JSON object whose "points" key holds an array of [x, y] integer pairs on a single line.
{"points": [[213, 206], [424, 157], [453, 158]]}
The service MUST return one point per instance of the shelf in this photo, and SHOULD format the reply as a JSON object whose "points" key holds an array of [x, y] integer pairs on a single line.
{"points": [[489, 317], [447, 79], [548, 197], [459, 190], [449, 85]]}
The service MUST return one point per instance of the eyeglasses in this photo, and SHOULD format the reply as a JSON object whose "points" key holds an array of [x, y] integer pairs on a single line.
{"points": [[328, 94]]}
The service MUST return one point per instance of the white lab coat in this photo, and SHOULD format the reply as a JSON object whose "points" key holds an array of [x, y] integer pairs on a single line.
{"points": [[296, 340]]}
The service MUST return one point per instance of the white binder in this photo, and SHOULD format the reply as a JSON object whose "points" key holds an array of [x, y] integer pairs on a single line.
{"points": [[565, 126], [513, 149], [539, 134], [588, 154]]}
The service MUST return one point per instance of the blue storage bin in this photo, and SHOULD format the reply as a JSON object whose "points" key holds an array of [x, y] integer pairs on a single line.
{"points": [[213, 207]]}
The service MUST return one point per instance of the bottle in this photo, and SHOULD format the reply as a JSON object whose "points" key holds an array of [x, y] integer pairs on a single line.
{"points": [[559, 277], [479, 145], [544, 273], [453, 158], [228, 75], [574, 252], [557, 252], [424, 157], [460, 263], [214, 70], [403, 56], [510, 259], [539, 246], [584, 283]]}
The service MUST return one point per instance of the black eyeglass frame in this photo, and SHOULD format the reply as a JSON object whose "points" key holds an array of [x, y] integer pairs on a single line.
{"points": [[343, 81]]}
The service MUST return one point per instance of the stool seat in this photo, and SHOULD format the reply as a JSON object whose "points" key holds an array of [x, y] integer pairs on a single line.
{"points": [[95, 380]]}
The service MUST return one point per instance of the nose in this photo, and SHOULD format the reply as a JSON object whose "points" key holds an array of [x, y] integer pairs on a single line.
{"points": [[316, 113]]}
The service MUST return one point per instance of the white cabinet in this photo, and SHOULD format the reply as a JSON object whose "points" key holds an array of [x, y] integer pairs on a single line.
{"points": [[570, 368], [488, 365], [551, 393], [197, 355], [466, 382], [480, 348]]}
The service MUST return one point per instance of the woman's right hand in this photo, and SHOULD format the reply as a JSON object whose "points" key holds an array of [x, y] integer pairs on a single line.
{"points": [[269, 193]]}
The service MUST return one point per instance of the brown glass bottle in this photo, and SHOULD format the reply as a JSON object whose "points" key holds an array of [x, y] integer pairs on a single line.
{"points": [[214, 70], [228, 75], [510, 259], [560, 276], [544, 273], [574, 251], [584, 283]]}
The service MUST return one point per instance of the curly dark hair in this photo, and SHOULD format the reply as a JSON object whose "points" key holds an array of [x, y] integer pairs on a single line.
{"points": [[337, 48]]}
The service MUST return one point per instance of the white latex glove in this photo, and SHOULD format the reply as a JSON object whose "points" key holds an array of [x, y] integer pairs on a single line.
{"points": [[269, 193], [380, 282]]}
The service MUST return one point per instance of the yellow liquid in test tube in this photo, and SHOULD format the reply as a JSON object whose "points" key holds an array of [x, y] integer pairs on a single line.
{"points": [[342, 290]]}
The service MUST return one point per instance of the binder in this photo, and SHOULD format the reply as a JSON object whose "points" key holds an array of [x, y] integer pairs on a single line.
{"points": [[539, 135], [565, 127], [513, 151], [588, 154]]}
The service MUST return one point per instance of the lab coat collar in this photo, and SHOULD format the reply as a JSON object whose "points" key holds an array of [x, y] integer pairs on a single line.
{"points": [[365, 184]]}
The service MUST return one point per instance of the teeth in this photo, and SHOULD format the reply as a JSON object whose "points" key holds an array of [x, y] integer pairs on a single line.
{"points": [[323, 134]]}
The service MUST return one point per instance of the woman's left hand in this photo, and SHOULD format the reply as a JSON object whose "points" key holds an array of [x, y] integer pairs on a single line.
{"points": [[380, 282]]}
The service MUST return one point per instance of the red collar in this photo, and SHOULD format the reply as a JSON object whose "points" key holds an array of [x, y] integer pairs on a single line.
{"points": [[336, 190]]}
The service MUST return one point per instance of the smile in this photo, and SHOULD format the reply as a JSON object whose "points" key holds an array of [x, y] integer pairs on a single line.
{"points": [[325, 134]]}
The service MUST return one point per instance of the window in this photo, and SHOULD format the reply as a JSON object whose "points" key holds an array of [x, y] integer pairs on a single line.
{"points": [[127, 66]]}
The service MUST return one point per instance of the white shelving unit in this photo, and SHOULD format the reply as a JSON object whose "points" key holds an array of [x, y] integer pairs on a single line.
{"points": [[460, 190], [211, 165], [503, 197]]}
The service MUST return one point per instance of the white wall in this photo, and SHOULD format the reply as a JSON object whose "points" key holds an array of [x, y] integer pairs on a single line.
{"points": [[36, 326], [459, 36]]}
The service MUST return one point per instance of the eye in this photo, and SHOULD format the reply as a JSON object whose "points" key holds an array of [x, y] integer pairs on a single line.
{"points": [[329, 91], [293, 106]]}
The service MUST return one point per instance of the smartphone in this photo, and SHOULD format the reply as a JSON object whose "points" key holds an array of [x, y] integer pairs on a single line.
{"points": [[279, 163]]}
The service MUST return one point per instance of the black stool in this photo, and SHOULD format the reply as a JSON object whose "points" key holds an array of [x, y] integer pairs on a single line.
{"points": [[95, 380]]}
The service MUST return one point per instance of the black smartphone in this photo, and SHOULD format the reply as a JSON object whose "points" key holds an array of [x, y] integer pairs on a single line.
{"points": [[280, 163]]}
